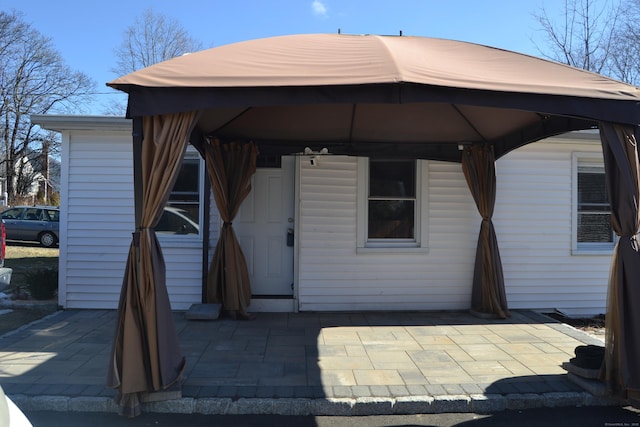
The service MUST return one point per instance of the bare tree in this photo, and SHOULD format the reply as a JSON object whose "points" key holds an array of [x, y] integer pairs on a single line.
{"points": [[151, 39], [626, 52], [33, 80], [115, 108], [584, 36]]}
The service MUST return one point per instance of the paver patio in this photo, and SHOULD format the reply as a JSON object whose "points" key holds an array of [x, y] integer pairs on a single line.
{"points": [[309, 355]]}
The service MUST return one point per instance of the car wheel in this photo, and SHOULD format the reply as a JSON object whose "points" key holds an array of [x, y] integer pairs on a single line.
{"points": [[47, 239]]}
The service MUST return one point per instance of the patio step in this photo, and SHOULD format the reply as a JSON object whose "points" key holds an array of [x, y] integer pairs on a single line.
{"points": [[203, 312]]}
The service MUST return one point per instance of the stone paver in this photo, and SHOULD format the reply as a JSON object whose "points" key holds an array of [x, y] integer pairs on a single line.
{"points": [[350, 363]]}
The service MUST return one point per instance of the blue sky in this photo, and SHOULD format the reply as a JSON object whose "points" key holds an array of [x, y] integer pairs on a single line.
{"points": [[87, 32]]}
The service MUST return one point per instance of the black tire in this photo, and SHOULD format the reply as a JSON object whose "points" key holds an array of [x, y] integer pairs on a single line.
{"points": [[48, 239]]}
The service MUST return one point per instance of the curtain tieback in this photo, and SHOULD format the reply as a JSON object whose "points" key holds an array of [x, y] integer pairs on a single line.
{"points": [[136, 234], [227, 224], [634, 242]]}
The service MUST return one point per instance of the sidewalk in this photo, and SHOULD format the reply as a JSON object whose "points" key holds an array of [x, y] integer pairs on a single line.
{"points": [[311, 363]]}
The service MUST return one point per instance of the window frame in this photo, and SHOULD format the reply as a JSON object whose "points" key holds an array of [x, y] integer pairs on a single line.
{"points": [[595, 160], [191, 154], [419, 242]]}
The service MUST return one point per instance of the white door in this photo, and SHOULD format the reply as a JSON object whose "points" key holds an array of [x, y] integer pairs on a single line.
{"points": [[262, 225]]}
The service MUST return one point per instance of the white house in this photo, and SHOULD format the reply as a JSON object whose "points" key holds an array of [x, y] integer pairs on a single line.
{"points": [[313, 242]]}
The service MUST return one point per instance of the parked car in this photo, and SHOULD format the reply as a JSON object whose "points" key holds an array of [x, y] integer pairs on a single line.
{"points": [[176, 221], [33, 223]]}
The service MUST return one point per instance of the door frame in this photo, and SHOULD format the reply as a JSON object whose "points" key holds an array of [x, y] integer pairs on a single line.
{"points": [[278, 304], [297, 172], [262, 304]]}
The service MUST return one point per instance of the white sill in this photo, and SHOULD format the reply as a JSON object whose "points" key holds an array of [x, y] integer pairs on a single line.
{"points": [[596, 250], [177, 240], [392, 250]]}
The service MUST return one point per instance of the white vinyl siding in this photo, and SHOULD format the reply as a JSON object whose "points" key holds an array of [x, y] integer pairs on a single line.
{"points": [[534, 223], [333, 276], [97, 221], [95, 218], [533, 220]]}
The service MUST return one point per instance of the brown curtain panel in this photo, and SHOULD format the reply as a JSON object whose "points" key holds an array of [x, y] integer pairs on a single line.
{"points": [[488, 295], [146, 355], [230, 167], [622, 341]]}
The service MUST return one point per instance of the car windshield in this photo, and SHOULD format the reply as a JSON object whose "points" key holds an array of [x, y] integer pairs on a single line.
{"points": [[11, 213]]}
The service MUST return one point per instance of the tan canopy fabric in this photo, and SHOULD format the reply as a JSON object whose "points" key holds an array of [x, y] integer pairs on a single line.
{"points": [[488, 296], [381, 96], [230, 168], [622, 349], [146, 354], [342, 60]]}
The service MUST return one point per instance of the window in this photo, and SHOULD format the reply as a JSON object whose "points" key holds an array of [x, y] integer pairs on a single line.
{"points": [[181, 214], [53, 214], [592, 230], [392, 200], [389, 204]]}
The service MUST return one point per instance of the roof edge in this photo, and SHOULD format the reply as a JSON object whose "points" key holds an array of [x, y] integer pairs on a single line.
{"points": [[62, 122]]}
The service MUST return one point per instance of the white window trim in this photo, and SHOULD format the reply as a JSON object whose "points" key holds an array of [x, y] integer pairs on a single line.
{"points": [[190, 240], [421, 226], [581, 158]]}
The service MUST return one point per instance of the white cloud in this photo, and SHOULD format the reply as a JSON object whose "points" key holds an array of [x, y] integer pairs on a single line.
{"points": [[319, 8]]}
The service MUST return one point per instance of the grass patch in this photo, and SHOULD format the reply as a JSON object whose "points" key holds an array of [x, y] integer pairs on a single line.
{"points": [[25, 257], [18, 251]]}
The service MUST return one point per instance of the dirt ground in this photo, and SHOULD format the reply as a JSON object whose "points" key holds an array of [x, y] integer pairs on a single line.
{"points": [[22, 257], [25, 256], [594, 325]]}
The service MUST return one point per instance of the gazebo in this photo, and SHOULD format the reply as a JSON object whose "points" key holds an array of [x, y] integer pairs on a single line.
{"points": [[374, 96]]}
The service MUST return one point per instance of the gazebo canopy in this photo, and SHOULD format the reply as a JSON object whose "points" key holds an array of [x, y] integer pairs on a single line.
{"points": [[377, 95]]}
